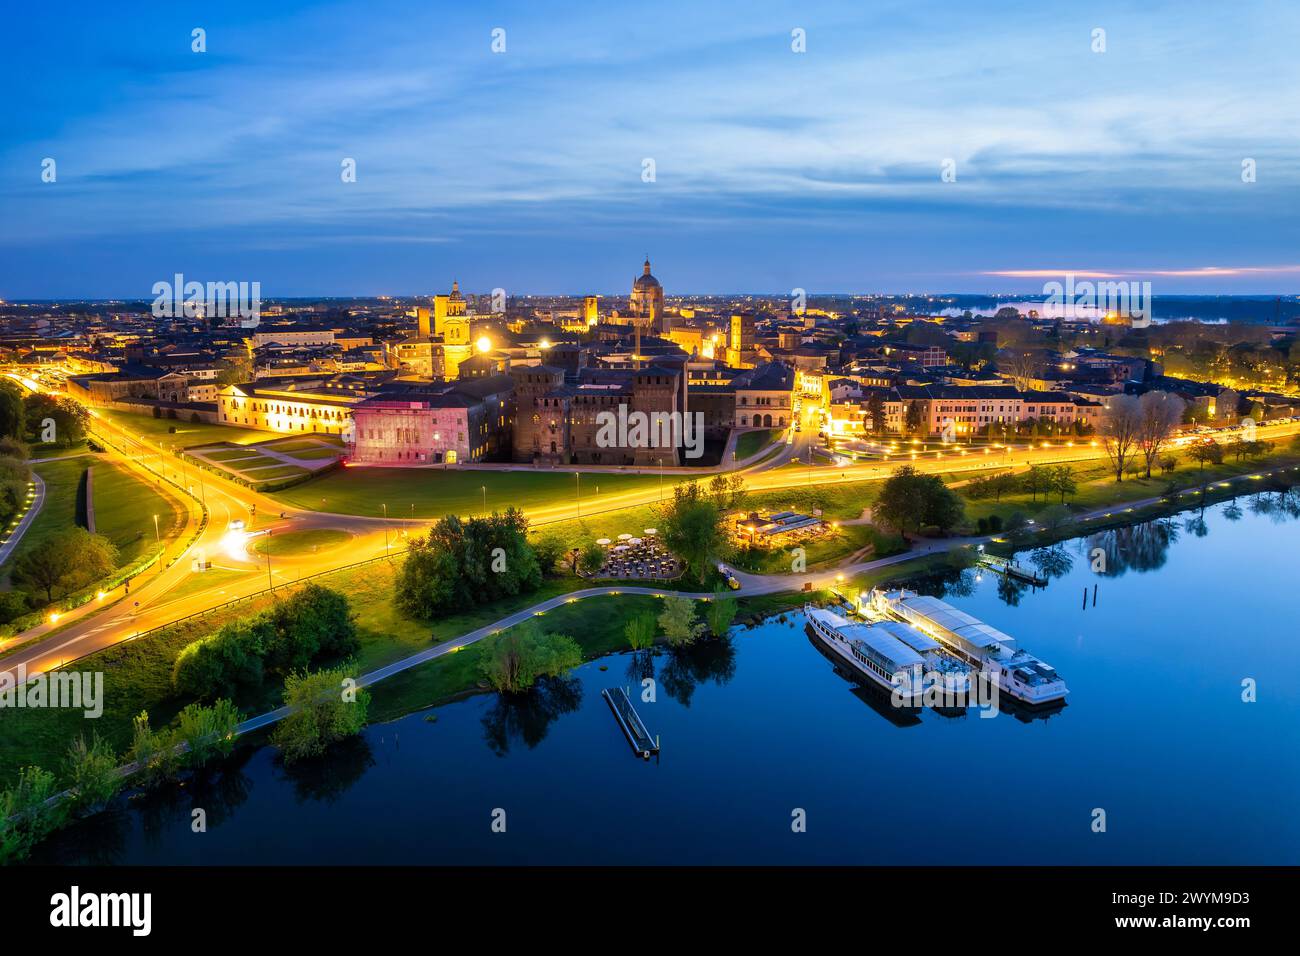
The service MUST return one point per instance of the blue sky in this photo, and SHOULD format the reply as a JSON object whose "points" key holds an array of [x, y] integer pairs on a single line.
{"points": [[523, 169]]}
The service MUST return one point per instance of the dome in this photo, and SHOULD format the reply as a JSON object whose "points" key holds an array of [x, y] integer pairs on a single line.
{"points": [[646, 280]]}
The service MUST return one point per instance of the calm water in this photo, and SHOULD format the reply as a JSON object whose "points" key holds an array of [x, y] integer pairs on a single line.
{"points": [[1155, 733]]}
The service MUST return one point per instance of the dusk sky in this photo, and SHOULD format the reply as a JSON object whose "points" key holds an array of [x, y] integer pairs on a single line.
{"points": [[523, 169]]}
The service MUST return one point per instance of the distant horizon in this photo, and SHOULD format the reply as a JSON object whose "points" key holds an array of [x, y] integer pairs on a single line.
{"points": [[327, 149]]}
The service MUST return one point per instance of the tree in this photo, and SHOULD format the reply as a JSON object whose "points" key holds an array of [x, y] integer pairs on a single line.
{"points": [[1038, 479], [719, 613], [910, 499], [1062, 482], [513, 660], [1120, 429], [207, 731], [691, 528], [640, 631], [1055, 517], [65, 561], [91, 770], [154, 752], [549, 550], [1208, 451], [728, 491], [29, 812], [324, 708], [13, 416], [1159, 414], [592, 559], [677, 620], [71, 420], [461, 564]]}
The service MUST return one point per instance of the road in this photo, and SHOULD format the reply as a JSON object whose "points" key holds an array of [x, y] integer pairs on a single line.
{"points": [[226, 502]]}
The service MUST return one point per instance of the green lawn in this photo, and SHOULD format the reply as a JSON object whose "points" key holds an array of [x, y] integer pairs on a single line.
{"points": [[186, 434], [124, 510], [251, 461], [311, 454], [59, 512], [232, 454], [434, 492], [214, 577], [301, 542], [750, 442], [282, 471], [1098, 488]]}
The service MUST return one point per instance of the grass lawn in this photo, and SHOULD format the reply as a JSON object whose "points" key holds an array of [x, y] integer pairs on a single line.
{"points": [[137, 675], [251, 461], [749, 443], [59, 512], [54, 451], [1098, 488], [214, 577], [312, 454], [186, 434], [124, 510], [269, 474], [435, 492], [232, 454], [301, 542]]}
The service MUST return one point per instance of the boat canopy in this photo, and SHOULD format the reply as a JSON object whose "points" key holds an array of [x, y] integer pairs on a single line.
{"points": [[890, 651], [958, 623], [916, 640]]}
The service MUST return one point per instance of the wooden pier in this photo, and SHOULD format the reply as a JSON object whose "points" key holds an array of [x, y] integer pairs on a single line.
{"points": [[634, 727], [1003, 566]]}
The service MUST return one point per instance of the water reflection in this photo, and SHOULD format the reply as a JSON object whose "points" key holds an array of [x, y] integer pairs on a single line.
{"points": [[325, 778], [528, 717], [686, 668]]}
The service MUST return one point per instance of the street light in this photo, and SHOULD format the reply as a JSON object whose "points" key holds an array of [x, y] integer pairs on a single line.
{"points": [[578, 478], [483, 488], [270, 581], [386, 529]]}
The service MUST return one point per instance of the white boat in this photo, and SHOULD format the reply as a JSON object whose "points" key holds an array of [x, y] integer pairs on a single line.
{"points": [[1017, 672], [894, 656]]}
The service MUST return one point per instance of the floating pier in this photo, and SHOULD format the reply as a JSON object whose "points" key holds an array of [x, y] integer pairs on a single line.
{"points": [[634, 727], [1003, 566]]}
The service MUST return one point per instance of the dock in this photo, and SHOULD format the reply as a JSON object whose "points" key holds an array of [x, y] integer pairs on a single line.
{"points": [[1003, 566], [634, 727]]}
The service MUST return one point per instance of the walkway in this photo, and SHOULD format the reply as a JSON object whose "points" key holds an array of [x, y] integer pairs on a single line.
{"points": [[33, 510]]}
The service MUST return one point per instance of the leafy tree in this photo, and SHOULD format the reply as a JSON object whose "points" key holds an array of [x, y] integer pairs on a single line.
{"points": [[1206, 452], [65, 561], [28, 812], [1062, 482], [912, 500], [207, 731], [549, 551], [691, 528], [513, 660], [640, 631], [312, 626], [677, 620], [154, 752], [1055, 517], [13, 415], [324, 709], [91, 770], [1159, 414], [728, 491], [1038, 479], [71, 420], [719, 613], [592, 559], [462, 564]]}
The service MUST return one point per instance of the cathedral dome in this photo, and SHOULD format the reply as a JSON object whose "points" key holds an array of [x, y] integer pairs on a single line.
{"points": [[646, 280]]}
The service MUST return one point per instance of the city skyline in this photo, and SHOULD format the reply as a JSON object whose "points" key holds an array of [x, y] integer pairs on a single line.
{"points": [[523, 169]]}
